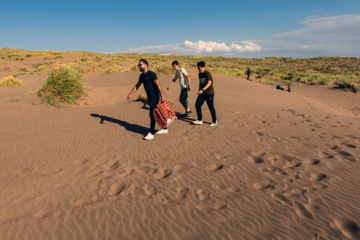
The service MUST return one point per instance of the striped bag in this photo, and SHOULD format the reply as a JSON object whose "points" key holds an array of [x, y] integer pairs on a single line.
{"points": [[164, 114]]}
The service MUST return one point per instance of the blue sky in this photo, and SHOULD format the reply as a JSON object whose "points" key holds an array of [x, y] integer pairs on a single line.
{"points": [[258, 28]]}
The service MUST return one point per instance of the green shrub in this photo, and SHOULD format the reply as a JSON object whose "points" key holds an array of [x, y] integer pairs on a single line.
{"points": [[41, 68], [10, 81], [64, 84]]}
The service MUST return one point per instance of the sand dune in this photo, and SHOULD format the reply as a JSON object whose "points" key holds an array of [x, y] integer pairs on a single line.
{"points": [[278, 166]]}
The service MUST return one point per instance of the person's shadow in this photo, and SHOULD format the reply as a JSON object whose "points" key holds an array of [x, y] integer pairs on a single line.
{"points": [[130, 127], [183, 118]]}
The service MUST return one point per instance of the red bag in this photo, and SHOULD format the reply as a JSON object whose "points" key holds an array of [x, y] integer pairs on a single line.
{"points": [[164, 114]]}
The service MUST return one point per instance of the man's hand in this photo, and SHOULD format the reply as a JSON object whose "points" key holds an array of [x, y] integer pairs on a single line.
{"points": [[162, 99], [200, 92], [189, 88], [128, 97], [168, 88]]}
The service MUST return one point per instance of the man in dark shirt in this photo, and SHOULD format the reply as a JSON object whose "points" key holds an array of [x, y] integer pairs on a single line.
{"points": [[153, 90], [206, 93]]}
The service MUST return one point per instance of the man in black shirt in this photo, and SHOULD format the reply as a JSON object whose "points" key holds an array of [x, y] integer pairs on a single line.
{"points": [[153, 90], [205, 93]]}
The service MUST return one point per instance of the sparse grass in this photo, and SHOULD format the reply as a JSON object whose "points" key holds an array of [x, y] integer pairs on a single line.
{"points": [[30, 91], [15, 100], [312, 71], [164, 69], [10, 81], [41, 68], [63, 85]]}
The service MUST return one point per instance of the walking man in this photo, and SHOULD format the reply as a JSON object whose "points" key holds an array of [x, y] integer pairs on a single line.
{"points": [[181, 74], [248, 73], [153, 89], [206, 93]]}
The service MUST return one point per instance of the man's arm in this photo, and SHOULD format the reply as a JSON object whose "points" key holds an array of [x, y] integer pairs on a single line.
{"points": [[136, 87], [160, 90], [188, 80], [206, 87], [172, 82]]}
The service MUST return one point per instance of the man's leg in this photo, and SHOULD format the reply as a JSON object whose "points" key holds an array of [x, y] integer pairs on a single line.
{"points": [[198, 104], [210, 103], [184, 99], [152, 103]]}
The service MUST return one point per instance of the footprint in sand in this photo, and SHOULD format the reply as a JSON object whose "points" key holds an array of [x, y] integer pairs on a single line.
{"points": [[318, 176], [94, 173], [149, 190], [267, 184], [145, 169], [313, 161], [182, 192], [164, 198], [116, 189], [111, 165], [203, 195], [349, 145], [215, 167], [162, 173], [284, 200], [220, 156], [183, 166], [349, 228], [276, 170], [86, 201], [256, 159], [301, 210]]}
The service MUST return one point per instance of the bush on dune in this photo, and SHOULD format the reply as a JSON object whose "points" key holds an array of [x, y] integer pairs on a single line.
{"points": [[10, 81], [63, 85]]}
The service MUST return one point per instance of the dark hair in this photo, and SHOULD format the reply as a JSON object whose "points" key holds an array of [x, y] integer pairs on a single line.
{"points": [[201, 64], [175, 63], [144, 61]]}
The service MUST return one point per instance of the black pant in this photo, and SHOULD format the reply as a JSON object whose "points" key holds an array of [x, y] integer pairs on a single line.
{"points": [[209, 98], [153, 101]]}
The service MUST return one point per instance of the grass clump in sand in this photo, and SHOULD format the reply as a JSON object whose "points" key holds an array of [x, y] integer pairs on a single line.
{"points": [[63, 85], [10, 81]]}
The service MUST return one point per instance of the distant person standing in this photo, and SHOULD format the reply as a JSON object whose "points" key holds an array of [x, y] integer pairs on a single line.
{"points": [[182, 74], [248, 73], [153, 90], [206, 93]]}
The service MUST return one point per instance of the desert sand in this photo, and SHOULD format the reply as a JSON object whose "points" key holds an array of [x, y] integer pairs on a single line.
{"points": [[279, 165]]}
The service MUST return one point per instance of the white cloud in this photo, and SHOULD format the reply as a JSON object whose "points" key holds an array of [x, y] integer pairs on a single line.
{"points": [[201, 48]]}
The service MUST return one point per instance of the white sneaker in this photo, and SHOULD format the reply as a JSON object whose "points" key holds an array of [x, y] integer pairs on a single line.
{"points": [[149, 136], [162, 131], [213, 124], [197, 122]]}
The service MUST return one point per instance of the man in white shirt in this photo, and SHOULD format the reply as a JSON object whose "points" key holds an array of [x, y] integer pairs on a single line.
{"points": [[182, 74]]}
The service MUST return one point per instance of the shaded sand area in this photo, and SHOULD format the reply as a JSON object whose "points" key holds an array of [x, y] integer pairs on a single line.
{"points": [[279, 165]]}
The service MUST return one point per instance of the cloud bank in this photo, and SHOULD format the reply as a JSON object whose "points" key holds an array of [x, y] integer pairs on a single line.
{"points": [[322, 36], [200, 48]]}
